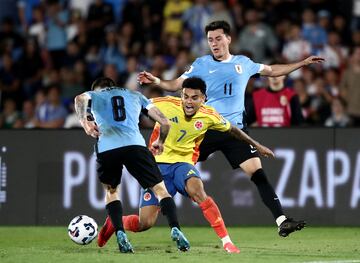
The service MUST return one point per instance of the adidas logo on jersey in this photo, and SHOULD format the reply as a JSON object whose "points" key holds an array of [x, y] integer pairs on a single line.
{"points": [[175, 119]]}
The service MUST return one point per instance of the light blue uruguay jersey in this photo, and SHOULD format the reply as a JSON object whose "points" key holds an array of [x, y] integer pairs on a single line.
{"points": [[225, 83], [116, 112]]}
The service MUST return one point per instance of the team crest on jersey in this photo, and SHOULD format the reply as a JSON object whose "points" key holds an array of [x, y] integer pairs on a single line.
{"points": [[238, 69], [283, 100], [147, 196], [198, 125]]}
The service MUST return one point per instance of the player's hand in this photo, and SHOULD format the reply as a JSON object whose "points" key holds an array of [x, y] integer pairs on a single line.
{"points": [[146, 78], [91, 129], [265, 151], [156, 148], [313, 59]]}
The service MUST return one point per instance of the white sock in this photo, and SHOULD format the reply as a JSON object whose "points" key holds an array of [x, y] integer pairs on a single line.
{"points": [[280, 219], [226, 240]]}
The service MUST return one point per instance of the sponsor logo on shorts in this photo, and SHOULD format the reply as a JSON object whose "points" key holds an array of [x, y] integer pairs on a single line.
{"points": [[147, 196]]}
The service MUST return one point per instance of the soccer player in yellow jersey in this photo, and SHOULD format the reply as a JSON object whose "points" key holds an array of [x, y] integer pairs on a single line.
{"points": [[190, 120]]}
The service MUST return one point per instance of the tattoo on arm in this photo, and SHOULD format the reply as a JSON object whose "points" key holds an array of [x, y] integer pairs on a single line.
{"points": [[80, 106], [158, 116]]}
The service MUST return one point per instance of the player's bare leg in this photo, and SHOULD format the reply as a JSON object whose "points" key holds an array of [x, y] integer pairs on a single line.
{"points": [[195, 189], [286, 225]]}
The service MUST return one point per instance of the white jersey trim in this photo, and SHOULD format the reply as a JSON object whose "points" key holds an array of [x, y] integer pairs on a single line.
{"points": [[149, 106], [262, 66]]}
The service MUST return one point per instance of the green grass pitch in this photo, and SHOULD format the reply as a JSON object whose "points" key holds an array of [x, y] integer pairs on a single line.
{"points": [[257, 244]]}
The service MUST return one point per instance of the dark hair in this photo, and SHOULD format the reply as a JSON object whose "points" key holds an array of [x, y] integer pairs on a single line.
{"points": [[102, 82], [195, 83], [218, 25]]}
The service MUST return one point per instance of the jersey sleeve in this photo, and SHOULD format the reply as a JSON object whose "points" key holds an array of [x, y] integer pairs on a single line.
{"points": [[218, 122], [193, 70], [146, 104], [252, 67]]}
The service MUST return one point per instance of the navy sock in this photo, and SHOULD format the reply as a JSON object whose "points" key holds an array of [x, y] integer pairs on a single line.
{"points": [[168, 209], [114, 210], [267, 193]]}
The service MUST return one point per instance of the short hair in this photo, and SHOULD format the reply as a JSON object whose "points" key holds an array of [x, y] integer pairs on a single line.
{"points": [[221, 24], [195, 83], [102, 82]]}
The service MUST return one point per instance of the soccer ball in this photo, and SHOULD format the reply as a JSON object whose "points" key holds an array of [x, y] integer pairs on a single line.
{"points": [[82, 229]]}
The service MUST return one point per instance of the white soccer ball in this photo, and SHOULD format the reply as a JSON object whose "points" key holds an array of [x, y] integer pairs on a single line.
{"points": [[82, 229]]}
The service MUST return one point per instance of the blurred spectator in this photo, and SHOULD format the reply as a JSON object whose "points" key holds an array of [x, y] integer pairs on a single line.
{"points": [[72, 120], [30, 68], [257, 38], [349, 87], [110, 50], [355, 23], [220, 12], [9, 115], [333, 52], [275, 106], [100, 15], [181, 65], [110, 71], [9, 37], [51, 113], [339, 25], [37, 26], [312, 32], [324, 17], [25, 11], [195, 19], [320, 103], [81, 6], [9, 81], [27, 119], [304, 98], [295, 49], [56, 38], [339, 117], [128, 78], [332, 81], [173, 11], [70, 85]]}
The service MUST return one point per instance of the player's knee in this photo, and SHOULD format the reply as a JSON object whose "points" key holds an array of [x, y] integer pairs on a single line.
{"points": [[259, 177], [195, 190]]}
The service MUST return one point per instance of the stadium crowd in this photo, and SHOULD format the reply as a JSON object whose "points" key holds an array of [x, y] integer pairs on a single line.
{"points": [[51, 51]]}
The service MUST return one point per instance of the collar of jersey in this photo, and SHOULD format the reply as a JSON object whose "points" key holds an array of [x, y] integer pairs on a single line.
{"points": [[223, 61]]}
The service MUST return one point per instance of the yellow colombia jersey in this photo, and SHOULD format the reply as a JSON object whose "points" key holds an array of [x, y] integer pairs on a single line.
{"points": [[186, 134]]}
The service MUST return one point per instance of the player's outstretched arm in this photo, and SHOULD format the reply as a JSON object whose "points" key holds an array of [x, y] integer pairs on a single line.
{"points": [[81, 104], [157, 146], [284, 69], [240, 135], [145, 77]]}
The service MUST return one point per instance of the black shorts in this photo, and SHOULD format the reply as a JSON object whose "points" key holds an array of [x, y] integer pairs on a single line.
{"points": [[236, 151], [138, 160]]}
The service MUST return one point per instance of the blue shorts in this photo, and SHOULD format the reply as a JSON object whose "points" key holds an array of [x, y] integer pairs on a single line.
{"points": [[175, 176]]}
